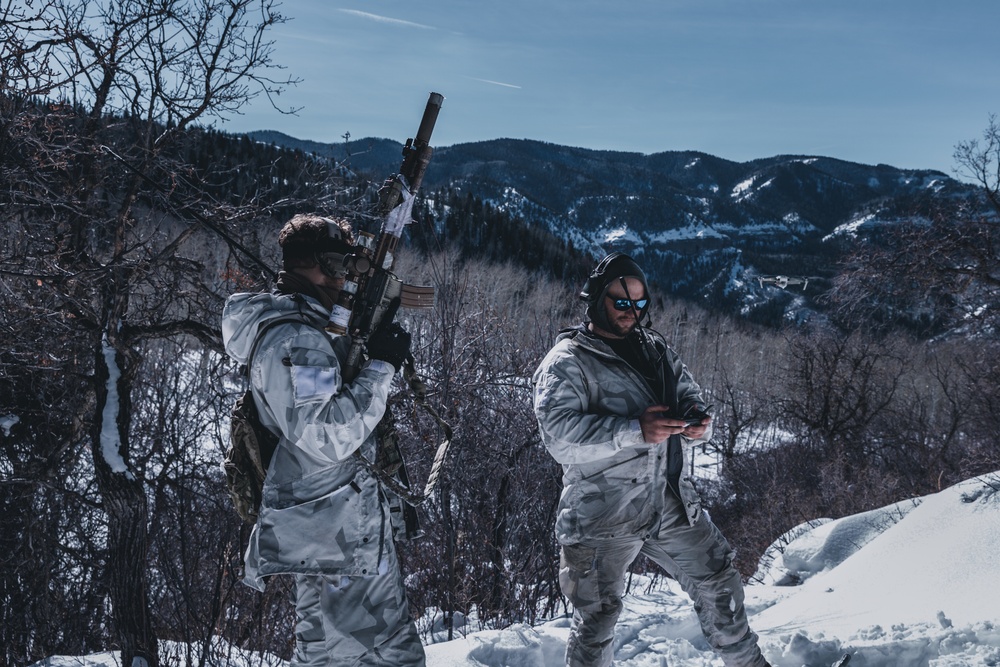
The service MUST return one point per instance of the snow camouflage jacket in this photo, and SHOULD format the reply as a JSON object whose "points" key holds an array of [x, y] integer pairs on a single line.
{"points": [[587, 400], [321, 512]]}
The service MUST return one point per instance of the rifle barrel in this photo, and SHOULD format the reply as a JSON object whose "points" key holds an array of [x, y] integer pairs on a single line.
{"points": [[429, 119]]}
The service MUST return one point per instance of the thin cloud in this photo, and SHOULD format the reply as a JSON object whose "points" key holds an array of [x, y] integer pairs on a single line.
{"points": [[495, 83], [385, 19]]}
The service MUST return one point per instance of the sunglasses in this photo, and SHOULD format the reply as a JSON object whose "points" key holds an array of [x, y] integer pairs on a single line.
{"points": [[628, 304]]}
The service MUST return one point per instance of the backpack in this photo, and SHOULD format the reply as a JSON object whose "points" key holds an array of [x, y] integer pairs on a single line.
{"points": [[250, 449], [251, 444]]}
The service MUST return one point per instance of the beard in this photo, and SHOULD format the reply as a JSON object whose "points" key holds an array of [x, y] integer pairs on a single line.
{"points": [[617, 323], [624, 326]]}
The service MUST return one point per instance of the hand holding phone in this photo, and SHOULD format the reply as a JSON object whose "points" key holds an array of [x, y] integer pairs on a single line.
{"points": [[695, 416]]}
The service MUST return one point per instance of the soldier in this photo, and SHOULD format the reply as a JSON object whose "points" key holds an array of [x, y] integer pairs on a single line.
{"points": [[617, 407], [323, 517]]}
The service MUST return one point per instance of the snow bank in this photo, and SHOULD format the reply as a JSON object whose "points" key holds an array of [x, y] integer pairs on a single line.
{"points": [[921, 587], [906, 565]]}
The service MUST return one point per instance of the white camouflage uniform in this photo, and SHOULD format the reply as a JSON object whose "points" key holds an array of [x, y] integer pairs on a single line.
{"points": [[618, 503], [323, 517]]}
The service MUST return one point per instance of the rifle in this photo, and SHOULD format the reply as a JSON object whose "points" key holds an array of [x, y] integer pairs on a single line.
{"points": [[371, 290], [371, 295]]}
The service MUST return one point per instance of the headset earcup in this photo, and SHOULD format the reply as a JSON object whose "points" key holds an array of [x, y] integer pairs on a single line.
{"points": [[595, 282]]}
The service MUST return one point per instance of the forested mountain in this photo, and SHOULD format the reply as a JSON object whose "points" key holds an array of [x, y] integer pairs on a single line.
{"points": [[705, 228], [232, 170]]}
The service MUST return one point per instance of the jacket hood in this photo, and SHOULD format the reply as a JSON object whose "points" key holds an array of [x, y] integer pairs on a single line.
{"points": [[244, 314], [582, 336], [573, 332]]}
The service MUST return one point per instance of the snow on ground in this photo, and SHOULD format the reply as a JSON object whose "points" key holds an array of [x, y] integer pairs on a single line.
{"points": [[850, 228], [915, 584]]}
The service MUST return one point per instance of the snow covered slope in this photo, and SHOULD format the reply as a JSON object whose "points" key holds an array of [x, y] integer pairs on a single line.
{"points": [[912, 584]]}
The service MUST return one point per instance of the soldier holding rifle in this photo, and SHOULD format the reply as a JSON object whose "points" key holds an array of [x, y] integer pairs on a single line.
{"points": [[322, 352]]}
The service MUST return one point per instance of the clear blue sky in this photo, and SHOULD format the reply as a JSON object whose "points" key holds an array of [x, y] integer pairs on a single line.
{"points": [[899, 82]]}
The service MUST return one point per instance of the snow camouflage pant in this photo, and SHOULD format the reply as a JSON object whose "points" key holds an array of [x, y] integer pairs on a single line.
{"points": [[592, 576], [357, 621]]}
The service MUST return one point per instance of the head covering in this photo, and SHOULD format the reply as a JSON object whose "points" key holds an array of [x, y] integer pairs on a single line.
{"points": [[305, 237], [613, 267]]}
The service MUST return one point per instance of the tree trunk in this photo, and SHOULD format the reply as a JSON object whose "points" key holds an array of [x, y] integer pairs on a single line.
{"points": [[125, 504]]}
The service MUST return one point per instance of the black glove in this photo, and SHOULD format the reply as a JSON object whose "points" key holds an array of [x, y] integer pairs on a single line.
{"points": [[391, 343]]}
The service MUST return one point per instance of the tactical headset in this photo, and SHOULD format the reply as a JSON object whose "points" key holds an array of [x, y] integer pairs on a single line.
{"points": [[330, 252], [614, 266]]}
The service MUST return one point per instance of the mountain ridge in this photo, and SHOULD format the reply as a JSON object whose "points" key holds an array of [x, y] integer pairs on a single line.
{"points": [[704, 227]]}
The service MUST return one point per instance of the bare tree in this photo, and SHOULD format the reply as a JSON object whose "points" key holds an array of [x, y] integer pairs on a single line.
{"points": [[939, 271], [489, 545], [741, 375], [981, 161], [84, 82], [839, 385]]}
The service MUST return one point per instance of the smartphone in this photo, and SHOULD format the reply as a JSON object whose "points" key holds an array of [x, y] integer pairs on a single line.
{"points": [[694, 417]]}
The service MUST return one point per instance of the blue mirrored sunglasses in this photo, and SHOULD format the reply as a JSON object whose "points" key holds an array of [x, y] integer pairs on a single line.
{"points": [[628, 304]]}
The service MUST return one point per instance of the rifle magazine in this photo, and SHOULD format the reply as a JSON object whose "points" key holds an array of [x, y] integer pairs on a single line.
{"points": [[419, 297]]}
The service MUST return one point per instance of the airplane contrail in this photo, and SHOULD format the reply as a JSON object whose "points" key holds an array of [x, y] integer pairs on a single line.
{"points": [[495, 83], [385, 19]]}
